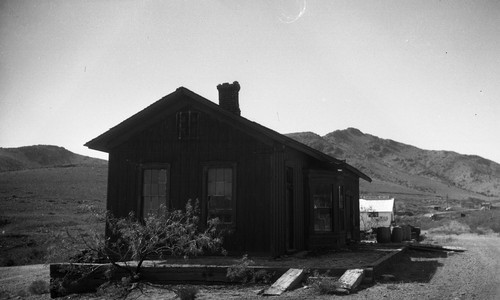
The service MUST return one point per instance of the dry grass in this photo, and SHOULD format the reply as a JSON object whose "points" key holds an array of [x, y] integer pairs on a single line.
{"points": [[36, 204], [451, 227], [484, 221]]}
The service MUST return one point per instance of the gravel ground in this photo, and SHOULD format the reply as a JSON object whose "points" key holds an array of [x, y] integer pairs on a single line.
{"points": [[474, 274]]}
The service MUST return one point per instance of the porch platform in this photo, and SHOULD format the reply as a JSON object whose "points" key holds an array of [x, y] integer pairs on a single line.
{"points": [[372, 258]]}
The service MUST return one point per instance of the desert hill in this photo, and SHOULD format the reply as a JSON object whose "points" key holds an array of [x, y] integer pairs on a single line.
{"points": [[42, 156], [400, 168]]}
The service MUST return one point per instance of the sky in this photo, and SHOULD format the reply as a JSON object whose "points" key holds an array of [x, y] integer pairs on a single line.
{"points": [[424, 73]]}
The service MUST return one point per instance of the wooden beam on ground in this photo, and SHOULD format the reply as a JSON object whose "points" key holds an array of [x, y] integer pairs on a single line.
{"points": [[287, 281], [164, 274], [351, 279], [431, 247]]}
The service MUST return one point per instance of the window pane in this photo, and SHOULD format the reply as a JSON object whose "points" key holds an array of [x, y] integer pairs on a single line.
{"points": [[147, 205], [228, 190], [219, 192], [223, 217], [228, 175], [219, 188], [322, 220], [227, 203], [154, 190], [220, 174], [322, 201], [162, 176], [147, 176], [155, 204], [211, 188], [154, 176], [162, 189], [146, 190], [216, 202], [211, 175]]}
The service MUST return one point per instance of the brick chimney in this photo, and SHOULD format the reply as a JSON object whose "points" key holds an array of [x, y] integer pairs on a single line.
{"points": [[228, 97]]}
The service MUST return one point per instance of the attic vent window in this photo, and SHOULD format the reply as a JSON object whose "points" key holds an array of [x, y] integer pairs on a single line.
{"points": [[187, 124]]}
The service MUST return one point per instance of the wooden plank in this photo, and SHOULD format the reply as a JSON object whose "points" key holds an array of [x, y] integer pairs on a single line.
{"points": [[351, 279], [287, 281], [431, 247], [166, 273]]}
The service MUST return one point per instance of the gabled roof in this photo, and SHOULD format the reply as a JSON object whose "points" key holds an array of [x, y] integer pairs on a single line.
{"points": [[156, 111], [380, 205]]}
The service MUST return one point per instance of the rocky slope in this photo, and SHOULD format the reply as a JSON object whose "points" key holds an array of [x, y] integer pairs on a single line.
{"points": [[396, 164]]}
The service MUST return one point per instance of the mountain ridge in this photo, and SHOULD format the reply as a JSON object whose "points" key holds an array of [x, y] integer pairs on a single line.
{"points": [[396, 168], [389, 161], [42, 156]]}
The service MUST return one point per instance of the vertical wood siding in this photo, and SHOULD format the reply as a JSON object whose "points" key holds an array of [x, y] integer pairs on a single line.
{"points": [[278, 211], [260, 209], [218, 142]]}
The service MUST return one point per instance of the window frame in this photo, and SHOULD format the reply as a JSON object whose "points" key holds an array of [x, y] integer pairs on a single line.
{"points": [[329, 209], [205, 207], [153, 166]]}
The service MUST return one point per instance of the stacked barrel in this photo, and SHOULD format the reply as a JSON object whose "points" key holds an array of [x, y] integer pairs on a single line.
{"points": [[397, 234]]}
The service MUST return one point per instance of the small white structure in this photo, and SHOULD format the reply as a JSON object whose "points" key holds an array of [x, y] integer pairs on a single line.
{"points": [[375, 213]]}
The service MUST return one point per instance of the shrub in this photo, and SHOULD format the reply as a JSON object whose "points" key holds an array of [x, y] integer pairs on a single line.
{"points": [[324, 284], [158, 235], [242, 272], [161, 234], [483, 220], [39, 287], [7, 262], [262, 276], [327, 285], [451, 227], [321, 283], [186, 292]]}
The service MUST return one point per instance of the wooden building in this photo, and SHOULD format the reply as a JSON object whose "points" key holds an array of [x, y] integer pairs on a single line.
{"points": [[274, 194]]}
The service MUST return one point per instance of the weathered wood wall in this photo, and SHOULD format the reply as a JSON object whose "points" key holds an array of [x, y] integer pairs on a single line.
{"points": [[218, 141], [261, 218]]}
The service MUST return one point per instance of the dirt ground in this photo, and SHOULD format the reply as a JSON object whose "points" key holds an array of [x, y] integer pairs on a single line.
{"points": [[474, 274]]}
